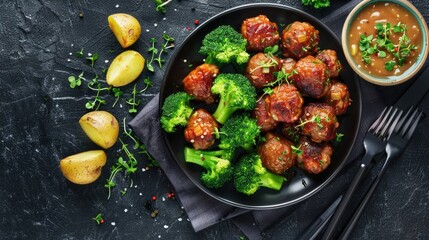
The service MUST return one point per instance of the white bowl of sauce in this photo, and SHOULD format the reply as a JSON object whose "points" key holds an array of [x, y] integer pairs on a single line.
{"points": [[385, 41]]}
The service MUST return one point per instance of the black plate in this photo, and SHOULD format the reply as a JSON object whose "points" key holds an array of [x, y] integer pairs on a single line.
{"points": [[302, 185]]}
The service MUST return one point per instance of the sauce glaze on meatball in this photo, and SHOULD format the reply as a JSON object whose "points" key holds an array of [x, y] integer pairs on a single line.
{"points": [[315, 157], [260, 69], [263, 119], [330, 59], [338, 97], [311, 77], [200, 128], [276, 153], [260, 33], [198, 82], [319, 122], [300, 39], [285, 103]]}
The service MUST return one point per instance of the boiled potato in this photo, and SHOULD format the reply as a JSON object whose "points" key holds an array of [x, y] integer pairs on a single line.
{"points": [[84, 167], [101, 127], [125, 27], [125, 68]]}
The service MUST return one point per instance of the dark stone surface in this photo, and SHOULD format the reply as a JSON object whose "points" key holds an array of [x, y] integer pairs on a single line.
{"points": [[39, 126]]}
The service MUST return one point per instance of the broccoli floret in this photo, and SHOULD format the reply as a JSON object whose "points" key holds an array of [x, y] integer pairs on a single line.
{"points": [[239, 131], [250, 175], [176, 111], [236, 92], [217, 163], [224, 45]]}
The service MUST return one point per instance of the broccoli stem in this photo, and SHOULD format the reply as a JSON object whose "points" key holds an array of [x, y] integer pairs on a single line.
{"points": [[206, 159], [223, 111], [271, 180]]}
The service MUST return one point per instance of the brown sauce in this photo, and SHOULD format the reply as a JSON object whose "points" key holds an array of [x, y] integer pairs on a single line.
{"points": [[365, 23]]}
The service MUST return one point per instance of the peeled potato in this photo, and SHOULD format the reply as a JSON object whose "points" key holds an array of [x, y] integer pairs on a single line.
{"points": [[101, 127], [125, 68], [83, 168], [125, 27]]}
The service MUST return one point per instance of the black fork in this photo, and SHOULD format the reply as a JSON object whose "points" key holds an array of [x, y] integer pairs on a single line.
{"points": [[374, 142], [402, 134]]}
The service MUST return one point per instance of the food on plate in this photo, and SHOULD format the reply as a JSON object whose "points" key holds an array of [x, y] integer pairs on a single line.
{"points": [[385, 39], [315, 157], [250, 175], [300, 39], [338, 96], [235, 93], [84, 167], [125, 68], [260, 33], [310, 77], [176, 111], [198, 82], [285, 103], [263, 119], [101, 127], [240, 131], [318, 121], [276, 153], [224, 45], [330, 59], [200, 129], [125, 27], [293, 101], [217, 164], [261, 68]]}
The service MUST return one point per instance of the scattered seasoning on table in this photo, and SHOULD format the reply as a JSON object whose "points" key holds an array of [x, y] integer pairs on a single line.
{"points": [[196, 22], [193, 9], [98, 219], [154, 213], [81, 14], [153, 198]]}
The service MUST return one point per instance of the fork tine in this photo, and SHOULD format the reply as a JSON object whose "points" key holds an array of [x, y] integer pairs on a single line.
{"points": [[392, 126], [413, 127], [381, 129], [407, 124], [379, 118], [401, 122]]}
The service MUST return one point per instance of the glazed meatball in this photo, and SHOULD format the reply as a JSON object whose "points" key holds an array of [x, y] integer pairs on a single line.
{"points": [[263, 119], [260, 69], [310, 77], [329, 58], [200, 128], [319, 122], [287, 65], [276, 153], [315, 157], [290, 131], [300, 39], [199, 82], [338, 96], [260, 33], [285, 103]]}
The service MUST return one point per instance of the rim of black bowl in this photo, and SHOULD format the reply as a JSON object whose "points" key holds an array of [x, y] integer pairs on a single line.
{"points": [[355, 101]]}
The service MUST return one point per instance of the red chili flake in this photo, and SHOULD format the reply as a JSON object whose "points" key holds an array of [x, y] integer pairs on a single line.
{"points": [[196, 22], [102, 221], [169, 195], [153, 198], [188, 28]]}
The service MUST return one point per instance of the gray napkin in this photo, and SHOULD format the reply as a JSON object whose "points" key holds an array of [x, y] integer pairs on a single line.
{"points": [[204, 211]]}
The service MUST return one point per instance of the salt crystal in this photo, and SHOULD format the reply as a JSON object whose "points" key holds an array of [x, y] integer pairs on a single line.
{"points": [[113, 223], [165, 226]]}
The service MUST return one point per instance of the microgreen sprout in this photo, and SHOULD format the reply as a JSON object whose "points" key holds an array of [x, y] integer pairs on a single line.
{"points": [[148, 83], [129, 134], [79, 54], [154, 51], [93, 58], [132, 101], [316, 119], [117, 93], [75, 82], [95, 104], [296, 150], [160, 5], [98, 219], [339, 137], [167, 44]]}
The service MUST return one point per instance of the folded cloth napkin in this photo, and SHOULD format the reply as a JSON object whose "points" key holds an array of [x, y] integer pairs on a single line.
{"points": [[204, 211]]}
